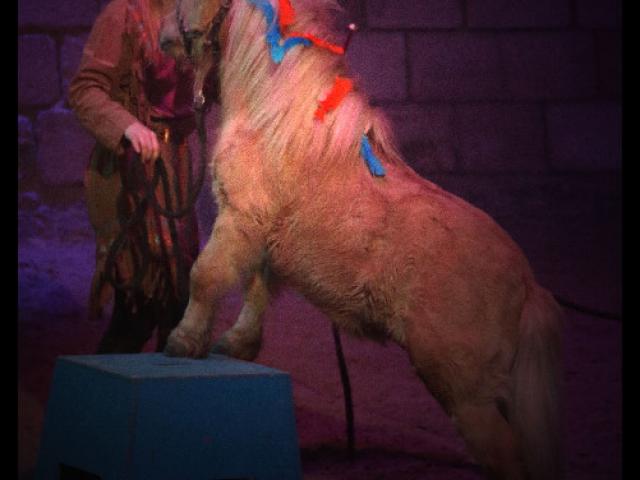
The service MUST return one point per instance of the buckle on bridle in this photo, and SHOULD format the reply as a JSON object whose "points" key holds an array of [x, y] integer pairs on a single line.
{"points": [[198, 101]]}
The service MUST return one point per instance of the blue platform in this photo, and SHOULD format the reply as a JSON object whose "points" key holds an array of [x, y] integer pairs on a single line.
{"points": [[148, 416]]}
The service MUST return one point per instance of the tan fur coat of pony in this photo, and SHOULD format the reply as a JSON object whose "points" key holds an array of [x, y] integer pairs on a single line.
{"points": [[390, 257]]}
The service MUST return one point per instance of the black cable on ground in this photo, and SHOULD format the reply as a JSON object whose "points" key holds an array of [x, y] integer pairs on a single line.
{"points": [[346, 387]]}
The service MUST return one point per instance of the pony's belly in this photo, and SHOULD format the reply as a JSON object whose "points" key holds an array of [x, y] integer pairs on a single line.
{"points": [[353, 308], [342, 278]]}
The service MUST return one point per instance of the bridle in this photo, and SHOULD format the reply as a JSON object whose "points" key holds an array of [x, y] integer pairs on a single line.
{"points": [[212, 40]]}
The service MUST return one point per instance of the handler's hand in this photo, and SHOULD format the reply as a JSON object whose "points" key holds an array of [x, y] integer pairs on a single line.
{"points": [[144, 141]]}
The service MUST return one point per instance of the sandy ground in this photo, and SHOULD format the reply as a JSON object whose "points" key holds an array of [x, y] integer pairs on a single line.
{"points": [[401, 433]]}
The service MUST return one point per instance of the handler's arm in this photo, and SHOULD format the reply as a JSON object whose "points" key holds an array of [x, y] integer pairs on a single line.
{"points": [[90, 89]]}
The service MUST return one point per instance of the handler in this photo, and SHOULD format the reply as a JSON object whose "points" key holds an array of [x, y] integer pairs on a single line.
{"points": [[137, 103]]}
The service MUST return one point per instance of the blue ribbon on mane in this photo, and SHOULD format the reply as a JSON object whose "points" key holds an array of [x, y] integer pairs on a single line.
{"points": [[277, 47], [375, 167]]}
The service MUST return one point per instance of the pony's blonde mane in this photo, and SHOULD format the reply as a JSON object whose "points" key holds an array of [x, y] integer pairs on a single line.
{"points": [[279, 100]]}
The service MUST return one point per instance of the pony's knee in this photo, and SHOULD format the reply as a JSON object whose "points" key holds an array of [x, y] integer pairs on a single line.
{"points": [[209, 278], [198, 278]]}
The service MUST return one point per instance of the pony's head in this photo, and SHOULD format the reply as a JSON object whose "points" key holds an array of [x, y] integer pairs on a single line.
{"points": [[191, 32], [169, 38]]}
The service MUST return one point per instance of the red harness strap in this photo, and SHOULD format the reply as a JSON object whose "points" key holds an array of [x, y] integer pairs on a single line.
{"points": [[337, 49]]}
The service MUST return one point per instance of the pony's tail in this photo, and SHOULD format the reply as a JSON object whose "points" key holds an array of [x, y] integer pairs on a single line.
{"points": [[536, 409]]}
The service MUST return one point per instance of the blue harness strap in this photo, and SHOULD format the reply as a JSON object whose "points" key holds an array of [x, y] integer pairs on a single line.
{"points": [[277, 47], [267, 9], [278, 51], [375, 167]]}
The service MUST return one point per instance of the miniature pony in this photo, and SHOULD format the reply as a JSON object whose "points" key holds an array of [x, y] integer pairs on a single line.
{"points": [[328, 206]]}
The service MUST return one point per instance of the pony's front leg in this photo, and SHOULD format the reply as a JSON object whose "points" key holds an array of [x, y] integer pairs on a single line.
{"points": [[231, 254], [244, 339]]}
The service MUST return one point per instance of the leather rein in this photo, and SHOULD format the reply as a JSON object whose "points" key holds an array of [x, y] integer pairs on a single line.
{"points": [[160, 174]]}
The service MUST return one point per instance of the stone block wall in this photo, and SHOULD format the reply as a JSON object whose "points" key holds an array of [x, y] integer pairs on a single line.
{"points": [[496, 86], [472, 86], [53, 148]]}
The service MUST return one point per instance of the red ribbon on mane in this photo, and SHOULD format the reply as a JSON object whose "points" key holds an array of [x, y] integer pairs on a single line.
{"points": [[287, 14], [341, 87]]}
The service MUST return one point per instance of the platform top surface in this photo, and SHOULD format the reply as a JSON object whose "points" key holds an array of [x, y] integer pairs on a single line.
{"points": [[158, 365]]}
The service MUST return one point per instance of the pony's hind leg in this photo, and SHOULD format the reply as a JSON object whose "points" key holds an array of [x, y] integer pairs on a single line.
{"points": [[231, 254], [471, 383], [490, 439], [244, 339]]}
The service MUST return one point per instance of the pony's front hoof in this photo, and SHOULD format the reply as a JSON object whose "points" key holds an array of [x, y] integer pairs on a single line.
{"points": [[221, 347], [242, 351], [180, 344]]}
